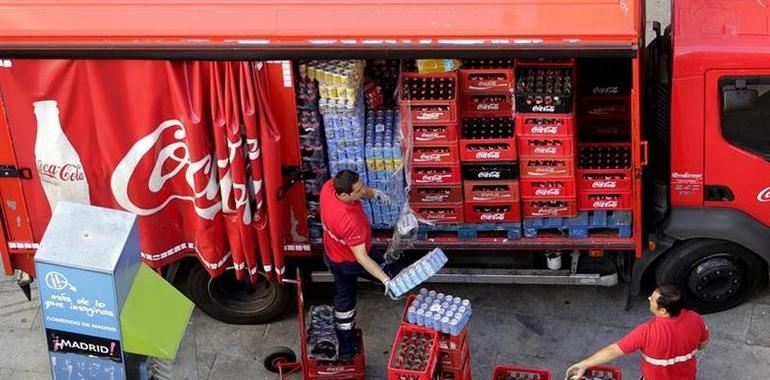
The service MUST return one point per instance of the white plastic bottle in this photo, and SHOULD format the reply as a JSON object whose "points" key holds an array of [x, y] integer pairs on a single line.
{"points": [[58, 164]]}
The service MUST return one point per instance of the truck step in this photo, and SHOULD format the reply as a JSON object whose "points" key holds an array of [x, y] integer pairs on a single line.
{"points": [[583, 225], [470, 231]]}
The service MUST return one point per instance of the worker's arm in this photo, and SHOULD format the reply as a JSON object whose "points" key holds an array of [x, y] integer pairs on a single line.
{"points": [[369, 265], [372, 193], [604, 355]]}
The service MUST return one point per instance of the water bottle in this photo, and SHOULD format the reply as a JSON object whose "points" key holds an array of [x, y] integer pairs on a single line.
{"points": [[436, 321], [419, 317], [445, 325], [454, 328], [410, 314], [449, 298], [432, 295], [440, 297], [423, 292]]}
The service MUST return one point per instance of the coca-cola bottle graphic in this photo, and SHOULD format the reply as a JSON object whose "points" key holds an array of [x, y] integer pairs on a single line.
{"points": [[58, 164]]}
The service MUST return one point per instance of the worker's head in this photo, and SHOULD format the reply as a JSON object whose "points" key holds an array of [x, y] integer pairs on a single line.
{"points": [[666, 300], [348, 186]]}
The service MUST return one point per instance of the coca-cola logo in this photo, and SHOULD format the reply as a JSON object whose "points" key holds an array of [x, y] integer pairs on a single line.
{"points": [[434, 177], [539, 108], [490, 174], [172, 162], [429, 115], [428, 136], [542, 192], [496, 216], [434, 198], [431, 156], [764, 195], [609, 90], [66, 173], [605, 204], [541, 130], [545, 150], [604, 184], [485, 84], [488, 155], [602, 110], [488, 107]]}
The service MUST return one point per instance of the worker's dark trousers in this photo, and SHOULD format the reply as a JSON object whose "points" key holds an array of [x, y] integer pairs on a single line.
{"points": [[346, 276]]}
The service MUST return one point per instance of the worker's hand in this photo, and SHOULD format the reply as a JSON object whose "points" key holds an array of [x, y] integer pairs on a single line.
{"points": [[575, 372], [381, 196], [390, 292]]}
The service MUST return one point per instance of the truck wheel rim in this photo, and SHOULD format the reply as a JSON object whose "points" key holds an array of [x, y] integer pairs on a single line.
{"points": [[715, 278], [241, 295]]}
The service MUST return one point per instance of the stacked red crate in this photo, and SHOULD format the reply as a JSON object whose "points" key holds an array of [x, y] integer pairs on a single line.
{"points": [[545, 127], [488, 150], [604, 176], [412, 342], [429, 108]]}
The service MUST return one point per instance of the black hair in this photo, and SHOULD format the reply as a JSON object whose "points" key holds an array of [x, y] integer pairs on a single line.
{"points": [[344, 180], [670, 298]]}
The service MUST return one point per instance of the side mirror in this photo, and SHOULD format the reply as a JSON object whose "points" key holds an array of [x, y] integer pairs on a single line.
{"points": [[739, 99]]}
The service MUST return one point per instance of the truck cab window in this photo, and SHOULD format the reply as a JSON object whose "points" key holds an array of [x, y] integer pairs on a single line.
{"points": [[745, 113]]}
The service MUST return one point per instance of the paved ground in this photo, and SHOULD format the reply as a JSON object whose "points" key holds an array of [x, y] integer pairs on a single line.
{"points": [[544, 327]]}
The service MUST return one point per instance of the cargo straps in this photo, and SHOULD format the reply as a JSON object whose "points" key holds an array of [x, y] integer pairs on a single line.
{"points": [[670, 362]]}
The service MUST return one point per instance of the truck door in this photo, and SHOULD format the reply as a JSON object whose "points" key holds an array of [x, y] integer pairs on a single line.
{"points": [[737, 142]]}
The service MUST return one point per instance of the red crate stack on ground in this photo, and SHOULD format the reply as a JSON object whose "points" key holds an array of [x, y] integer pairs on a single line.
{"points": [[429, 109], [545, 128], [414, 355], [453, 360], [488, 149]]}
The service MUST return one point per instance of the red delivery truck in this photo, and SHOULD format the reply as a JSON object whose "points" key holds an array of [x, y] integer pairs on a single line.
{"points": [[536, 142]]}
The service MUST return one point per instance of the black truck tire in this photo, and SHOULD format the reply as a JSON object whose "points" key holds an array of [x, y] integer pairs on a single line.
{"points": [[714, 275], [238, 302]]}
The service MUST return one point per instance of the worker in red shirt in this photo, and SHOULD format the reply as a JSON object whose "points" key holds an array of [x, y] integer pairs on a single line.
{"points": [[668, 341], [347, 240]]}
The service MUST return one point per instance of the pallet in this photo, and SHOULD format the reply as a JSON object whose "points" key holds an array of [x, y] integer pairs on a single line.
{"points": [[470, 231], [583, 225]]}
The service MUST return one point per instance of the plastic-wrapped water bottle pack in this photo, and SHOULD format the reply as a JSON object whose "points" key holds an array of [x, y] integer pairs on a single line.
{"points": [[418, 272], [443, 312], [322, 340], [383, 164]]}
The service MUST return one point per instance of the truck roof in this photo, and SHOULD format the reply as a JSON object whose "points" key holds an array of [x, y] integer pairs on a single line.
{"points": [[704, 27], [30, 25]]}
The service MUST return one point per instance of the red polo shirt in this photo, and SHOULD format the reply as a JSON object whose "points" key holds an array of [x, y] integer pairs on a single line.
{"points": [[667, 345], [345, 225]]}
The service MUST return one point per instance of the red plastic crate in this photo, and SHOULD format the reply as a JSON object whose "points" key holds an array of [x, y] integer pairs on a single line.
{"points": [[488, 150], [548, 188], [593, 180], [497, 104], [480, 191], [436, 194], [604, 129], [443, 213], [461, 372], [547, 167], [435, 154], [325, 370], [604, 201], [614, 107], [435, 174], [616, 373], [486, 80], [492, 212], [545, 125], [434, 134], [396, 373], [539, 207], [454, 359], [538, 146], [503, 371], [429, 111]]}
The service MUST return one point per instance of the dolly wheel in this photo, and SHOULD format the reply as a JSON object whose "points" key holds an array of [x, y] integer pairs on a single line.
{"points": [[279, 355]]}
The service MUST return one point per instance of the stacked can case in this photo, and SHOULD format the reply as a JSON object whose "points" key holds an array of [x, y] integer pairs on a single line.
{"points": [[384, 166], [546, 137]]}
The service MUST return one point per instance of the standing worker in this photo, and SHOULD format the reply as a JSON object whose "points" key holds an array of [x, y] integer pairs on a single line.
{"points": [[347, 240], [668, 341]]}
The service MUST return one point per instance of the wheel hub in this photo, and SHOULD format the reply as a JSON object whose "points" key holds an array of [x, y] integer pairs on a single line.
{"points": [[715, 278], [228, 291]]}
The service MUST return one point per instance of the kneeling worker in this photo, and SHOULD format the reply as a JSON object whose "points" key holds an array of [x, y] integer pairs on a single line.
{"points": [[668, 341], [347, 240]]}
